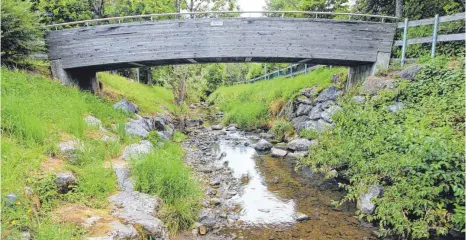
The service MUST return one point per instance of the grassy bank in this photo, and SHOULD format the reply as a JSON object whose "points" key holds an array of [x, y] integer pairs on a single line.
{"points": [[164, 174], [416, 154], [254, 105], [37, 115], [150, 99]]}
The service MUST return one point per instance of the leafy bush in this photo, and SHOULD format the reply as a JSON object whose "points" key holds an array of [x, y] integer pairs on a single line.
{"points": [[20, 32], [164, 174], [282, 129], [252, 105], [417, 154]]}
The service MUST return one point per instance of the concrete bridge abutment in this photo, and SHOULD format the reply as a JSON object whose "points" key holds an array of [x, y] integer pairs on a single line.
{"points": [[84, 79], [359, 73]]}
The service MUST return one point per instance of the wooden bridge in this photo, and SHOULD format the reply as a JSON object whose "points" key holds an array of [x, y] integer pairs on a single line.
{"points": [[76, 54]]}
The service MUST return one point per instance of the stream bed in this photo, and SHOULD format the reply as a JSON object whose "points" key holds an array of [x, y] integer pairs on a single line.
{"points": [[250, 195]]}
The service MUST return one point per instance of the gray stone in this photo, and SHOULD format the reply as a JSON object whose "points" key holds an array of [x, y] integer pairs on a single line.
{"points": [[139, 208], [296, 155], [364, 202], [303, 110], [122, 232], [316, 112], [92, 121], [359, 99], [142, 126], [128, 184], [65, 182], [70, 149], [327, 104], [287, 111], [411, 72], [300, 144], [330, 93], [193, 122], [217, 127], [299, 122], [138, 149], [278, 153], [318, 126], [11, 197], [231, 129], [126, 106], [374, 84], [328, 113], [267, 136], [304, 100], [396, 107], [25, 236], [262, 145], [164, 135], [309, 92], [122, 174], [301, 217]]}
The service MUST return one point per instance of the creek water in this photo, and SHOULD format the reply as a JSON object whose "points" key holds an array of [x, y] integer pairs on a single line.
{"points": [[275, 193]]}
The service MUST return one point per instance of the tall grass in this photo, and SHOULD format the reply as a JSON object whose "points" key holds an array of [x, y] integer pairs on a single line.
{"points": [[164, 174], [150, 99], [253, 105]]}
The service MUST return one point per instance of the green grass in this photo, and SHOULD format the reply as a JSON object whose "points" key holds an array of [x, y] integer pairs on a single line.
{"points": [[150, 99], [164, 174], [254, 105], [37, 113]]}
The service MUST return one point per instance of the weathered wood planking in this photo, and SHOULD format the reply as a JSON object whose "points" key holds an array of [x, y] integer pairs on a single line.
{"points": [[210, 40]]}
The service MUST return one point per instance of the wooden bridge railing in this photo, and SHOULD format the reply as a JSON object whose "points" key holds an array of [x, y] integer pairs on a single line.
{"points": [[431, 39], [217, 14]]}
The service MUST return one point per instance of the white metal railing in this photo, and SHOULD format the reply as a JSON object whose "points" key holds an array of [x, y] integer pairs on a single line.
{"points": [[288, 72], [432, 39], [216, 14]]}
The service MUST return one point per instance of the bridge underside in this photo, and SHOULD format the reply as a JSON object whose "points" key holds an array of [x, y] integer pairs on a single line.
{"points": [[77, 53]]}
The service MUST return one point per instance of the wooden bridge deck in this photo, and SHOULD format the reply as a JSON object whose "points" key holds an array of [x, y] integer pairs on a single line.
{"points": [[128, 45]]}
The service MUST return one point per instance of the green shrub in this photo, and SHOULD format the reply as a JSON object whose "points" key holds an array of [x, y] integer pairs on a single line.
{"points": [[164, 174], [253, 105], [417, 154], [282, 129], [20, 32]]}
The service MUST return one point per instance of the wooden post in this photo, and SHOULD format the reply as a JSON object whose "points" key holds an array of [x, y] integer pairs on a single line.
{"points": [[291, 70], [137, 74], [278, 72], [305, 68], [434, 35], [405, 40], [265, 71]]}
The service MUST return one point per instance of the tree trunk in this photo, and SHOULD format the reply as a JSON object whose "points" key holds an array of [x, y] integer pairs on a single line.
{"points": [[399, 8]]}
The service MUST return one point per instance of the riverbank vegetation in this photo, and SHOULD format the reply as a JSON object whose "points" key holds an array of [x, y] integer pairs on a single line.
{"points": [[416, 154], [255, 105]]}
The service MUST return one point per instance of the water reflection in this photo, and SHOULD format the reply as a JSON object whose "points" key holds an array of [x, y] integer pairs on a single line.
{"points": [[259, 205]]}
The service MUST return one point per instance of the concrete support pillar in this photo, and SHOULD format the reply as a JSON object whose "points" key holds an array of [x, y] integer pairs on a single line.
{"points": [[85, 79], [359, 73]]}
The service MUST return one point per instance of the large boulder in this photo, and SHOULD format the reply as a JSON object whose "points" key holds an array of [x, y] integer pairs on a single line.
{"points": [[139, 208], [329, 112], [262, 145], [92, 121], [70, 149], [287, 111], [299, 123], [138, 149], [316, 112], [373, 84], [411, 72], [364, 202], [65, 181], [300, 144], [278, 153], [330, 93], [142, 126], [126, 106], [303, 110]]}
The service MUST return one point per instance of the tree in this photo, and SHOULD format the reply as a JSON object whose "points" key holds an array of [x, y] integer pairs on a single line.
{"points": [[60, 11], [20, 32], [136, 7], [281, 5]]}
